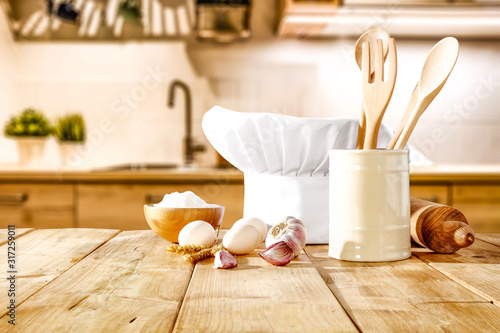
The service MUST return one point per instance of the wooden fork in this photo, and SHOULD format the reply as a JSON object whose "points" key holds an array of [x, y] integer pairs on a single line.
{"points": [[377, 94]]}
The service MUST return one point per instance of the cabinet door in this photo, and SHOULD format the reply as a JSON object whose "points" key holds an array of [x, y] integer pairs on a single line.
{"points": [[36, 205], [480, 204], [434, 193], [120, 206]]}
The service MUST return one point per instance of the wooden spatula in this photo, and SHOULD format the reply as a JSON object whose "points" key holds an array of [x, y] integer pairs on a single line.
{"points": [[377, 94], [369, 36]]}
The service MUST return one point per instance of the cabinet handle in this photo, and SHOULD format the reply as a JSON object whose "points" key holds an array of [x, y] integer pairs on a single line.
{"points": [[13, 199], [434, 198], [151, 198]]}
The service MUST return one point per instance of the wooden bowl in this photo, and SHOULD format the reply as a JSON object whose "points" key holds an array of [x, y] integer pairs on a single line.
{"points": [[168, 222]]}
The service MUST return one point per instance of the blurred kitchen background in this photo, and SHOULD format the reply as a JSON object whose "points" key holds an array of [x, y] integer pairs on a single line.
{"points": [[115, 62], [294, 58]]}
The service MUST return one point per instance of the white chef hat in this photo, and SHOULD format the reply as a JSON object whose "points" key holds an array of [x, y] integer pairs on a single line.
{"points": [[284, 160]]}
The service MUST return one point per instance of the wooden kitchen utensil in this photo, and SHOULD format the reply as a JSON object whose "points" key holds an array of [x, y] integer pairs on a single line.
{"points": [[369, 36], [377, 92], [440, 228], [406, 117], [437, 69]]}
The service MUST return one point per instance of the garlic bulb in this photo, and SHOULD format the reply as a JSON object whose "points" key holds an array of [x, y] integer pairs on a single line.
{"points": [[292, 231], [284, 241]]}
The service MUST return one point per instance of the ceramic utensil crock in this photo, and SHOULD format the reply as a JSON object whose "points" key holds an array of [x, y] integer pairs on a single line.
{"points": [[369, 205]]}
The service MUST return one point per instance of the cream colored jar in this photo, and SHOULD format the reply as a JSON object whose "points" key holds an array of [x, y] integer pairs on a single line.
{"points": [[369, 205]]}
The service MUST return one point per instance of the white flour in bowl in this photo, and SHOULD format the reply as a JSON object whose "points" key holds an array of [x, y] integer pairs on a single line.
{"points": [[182, 200]]}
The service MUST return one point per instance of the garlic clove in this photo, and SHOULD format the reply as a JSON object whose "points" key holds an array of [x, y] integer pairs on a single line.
{"points": [[224, 259], [278, 254], [296, 237]]}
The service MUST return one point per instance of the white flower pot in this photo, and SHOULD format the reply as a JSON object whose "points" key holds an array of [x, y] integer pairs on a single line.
{"points": [[30, 150], [70, 153]]}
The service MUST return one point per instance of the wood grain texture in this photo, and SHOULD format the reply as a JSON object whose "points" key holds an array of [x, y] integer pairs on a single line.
{"points": [[490, 238], [480, 174], [258, 297], [440, 228], [480, 203], [153, 176], [43, 255], [484, 174], [18, 233], [130, 284], [94, 280], [377, 93], [434, 193], [476, 268], [402, 296], [43, 206]]}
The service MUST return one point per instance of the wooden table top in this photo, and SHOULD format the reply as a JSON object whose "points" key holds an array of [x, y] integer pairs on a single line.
{"points": [[97, 280]]}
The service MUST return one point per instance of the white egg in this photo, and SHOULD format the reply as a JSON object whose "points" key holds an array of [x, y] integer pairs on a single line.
{"points": [[256, 222], [197, 233], [241, 238]]}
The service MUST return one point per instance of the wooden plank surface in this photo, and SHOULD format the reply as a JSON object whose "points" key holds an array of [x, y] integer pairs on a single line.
{"points": [[95, 280], [18, 233], [258, 297], [476, 267], [403, 296], [490, 238], [43, 255], [130, 284]]}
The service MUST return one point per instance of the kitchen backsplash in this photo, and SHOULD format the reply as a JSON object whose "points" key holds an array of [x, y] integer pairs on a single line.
{"points": [[121, 89]]}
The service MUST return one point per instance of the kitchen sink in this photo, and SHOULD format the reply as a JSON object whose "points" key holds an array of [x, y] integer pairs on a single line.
{"points": [[138, 167]]}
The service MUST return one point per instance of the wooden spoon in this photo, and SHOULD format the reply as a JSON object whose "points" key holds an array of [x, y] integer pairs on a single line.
{"points": [[406, 117], [437, 69], [369, 36]]}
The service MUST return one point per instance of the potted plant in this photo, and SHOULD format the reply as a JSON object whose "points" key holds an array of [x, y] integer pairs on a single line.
{"points": [[30, 129], [70, 132], [130, 10]]}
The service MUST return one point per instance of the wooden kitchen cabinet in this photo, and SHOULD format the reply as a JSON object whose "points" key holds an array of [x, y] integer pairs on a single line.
{"points": [[480, 204], [36, 205], [120, 206], [434, 193], [111, 199]]}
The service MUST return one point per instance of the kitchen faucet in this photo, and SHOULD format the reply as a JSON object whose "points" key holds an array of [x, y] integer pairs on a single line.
{"points": [[190, 147]]}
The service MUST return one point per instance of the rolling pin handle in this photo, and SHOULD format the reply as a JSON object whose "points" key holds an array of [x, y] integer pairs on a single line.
{"points": [[463, 235]]}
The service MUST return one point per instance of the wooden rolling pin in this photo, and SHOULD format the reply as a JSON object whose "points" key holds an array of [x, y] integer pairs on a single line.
{"points": [[440, 228]]}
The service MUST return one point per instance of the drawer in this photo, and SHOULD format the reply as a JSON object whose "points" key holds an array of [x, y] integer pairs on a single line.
{"points": [[434, 193], [120, 206], [480, 204], [36, 205]]}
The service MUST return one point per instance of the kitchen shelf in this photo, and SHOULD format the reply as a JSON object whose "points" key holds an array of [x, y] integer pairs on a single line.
{"points": [[99, 20], [412, 19]]}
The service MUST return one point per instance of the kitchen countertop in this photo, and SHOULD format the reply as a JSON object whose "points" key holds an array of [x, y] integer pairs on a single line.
{"points": [[96, 280], [170, 175], [443, 173]]}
